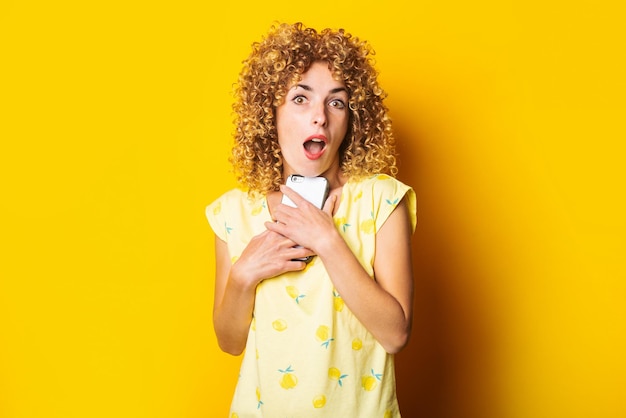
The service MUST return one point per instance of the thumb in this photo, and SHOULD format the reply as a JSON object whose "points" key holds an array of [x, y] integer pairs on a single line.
{"points": [[329, 205]]}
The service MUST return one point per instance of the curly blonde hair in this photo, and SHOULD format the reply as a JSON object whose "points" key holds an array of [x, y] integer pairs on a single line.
{"points": [[275, 65]]}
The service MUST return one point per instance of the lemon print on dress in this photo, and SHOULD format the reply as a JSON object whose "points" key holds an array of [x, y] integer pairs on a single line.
{"points": [[338, 302], [342, 223], [358, 196], [388, 414], [288, 379], [335, 374], [293, 292], [357, 344], [319, 401], [279, 325], [368, 226], [370, 382], [234, 415], [217, 208], [383, 177], [257, 209], [258, 398], [323, 334]]}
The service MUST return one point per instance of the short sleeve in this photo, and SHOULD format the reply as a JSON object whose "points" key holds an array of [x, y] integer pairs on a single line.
{"points": [[389, 192], [216, 218]]}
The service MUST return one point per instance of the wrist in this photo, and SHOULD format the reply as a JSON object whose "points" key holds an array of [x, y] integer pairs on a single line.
{"points": [[329, 244], [242, 279]]}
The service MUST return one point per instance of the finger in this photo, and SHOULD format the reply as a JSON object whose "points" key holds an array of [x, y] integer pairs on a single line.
{"points": [[281, 229], [296, 265], [292, 194], [299, 252], [285, 214]]}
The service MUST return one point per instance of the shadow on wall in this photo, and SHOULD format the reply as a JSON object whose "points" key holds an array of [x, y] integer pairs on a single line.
{"points": [[447, 369]]}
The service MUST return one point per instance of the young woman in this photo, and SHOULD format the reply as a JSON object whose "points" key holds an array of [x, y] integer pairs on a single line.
{"points": [[319, 337]]}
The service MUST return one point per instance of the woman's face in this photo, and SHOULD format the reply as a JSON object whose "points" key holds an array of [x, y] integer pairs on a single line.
{"points": [[312, 123]]}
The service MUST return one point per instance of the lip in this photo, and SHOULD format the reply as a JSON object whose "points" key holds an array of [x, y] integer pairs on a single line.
{"points": [[315, 155]]}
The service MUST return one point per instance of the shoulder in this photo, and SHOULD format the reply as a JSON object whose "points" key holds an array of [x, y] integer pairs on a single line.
{"points": [[237, 197], [226, 199], [385, 193], [233, 204], [382, 185]]}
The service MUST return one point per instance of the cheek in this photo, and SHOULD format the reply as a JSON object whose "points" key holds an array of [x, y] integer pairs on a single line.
{"points": [[283, 133], [287, 127], [281, 128], [342, 123]]}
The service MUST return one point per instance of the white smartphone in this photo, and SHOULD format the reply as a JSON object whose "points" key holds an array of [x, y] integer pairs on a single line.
{"points": [[313, 189]]}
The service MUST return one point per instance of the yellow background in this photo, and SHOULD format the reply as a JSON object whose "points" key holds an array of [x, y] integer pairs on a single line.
{"points": [[115, 127]]}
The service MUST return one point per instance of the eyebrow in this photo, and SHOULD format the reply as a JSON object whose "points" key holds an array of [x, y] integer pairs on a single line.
{"points": [[332, 91]]}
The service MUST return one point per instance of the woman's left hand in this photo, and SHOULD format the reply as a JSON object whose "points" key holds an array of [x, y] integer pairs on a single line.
{"points": [[305, 224]]}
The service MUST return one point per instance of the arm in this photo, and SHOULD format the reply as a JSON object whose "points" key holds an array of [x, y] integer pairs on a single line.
{"points": [[232, 308], [384, 306], [266, 255]]}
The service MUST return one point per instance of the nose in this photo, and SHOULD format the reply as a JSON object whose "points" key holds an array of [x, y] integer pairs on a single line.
{"points": [[319, 115]]}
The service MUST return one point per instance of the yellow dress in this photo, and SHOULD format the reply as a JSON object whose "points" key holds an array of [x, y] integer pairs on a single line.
{"points": [[307, 355]]}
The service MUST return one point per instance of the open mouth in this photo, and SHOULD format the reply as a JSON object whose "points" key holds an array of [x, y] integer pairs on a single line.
{"points": [[314, 146]]}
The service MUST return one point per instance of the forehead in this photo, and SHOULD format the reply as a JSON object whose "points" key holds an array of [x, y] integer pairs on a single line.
{"points": [[317, 76]]}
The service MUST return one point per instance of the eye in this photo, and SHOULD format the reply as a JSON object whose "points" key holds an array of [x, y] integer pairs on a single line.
{"points": [[337, 104], [299, 99]]}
